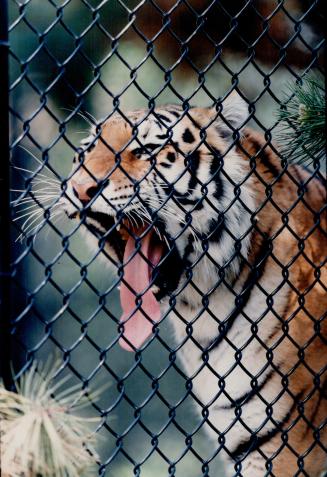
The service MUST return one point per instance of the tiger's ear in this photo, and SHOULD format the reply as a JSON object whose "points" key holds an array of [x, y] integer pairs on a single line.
{"points": [[231, 114], [227, 118]]}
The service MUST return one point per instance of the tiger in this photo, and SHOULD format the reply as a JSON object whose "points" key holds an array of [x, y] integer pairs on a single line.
{"points": [[206, 226]]}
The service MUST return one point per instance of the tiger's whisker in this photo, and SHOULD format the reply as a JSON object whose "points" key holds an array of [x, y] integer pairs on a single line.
{"points": [[46, 182], [49, 188], [26, 228], [30, 220], [17, 190], [36, 174], [24, 233], [43, 164], [31, 213], [40, 199], [85, 118], [90, 116], [45, 177], [39, 194], [40, 176], [37, 227], [33, 206]]}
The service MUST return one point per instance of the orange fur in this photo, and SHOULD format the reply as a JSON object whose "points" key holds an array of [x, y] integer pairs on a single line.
{"points": [[301, 341]]}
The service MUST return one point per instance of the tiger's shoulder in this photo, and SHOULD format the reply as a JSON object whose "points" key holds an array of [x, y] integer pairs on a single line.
{"points": [[291, 210], [289, 184]]}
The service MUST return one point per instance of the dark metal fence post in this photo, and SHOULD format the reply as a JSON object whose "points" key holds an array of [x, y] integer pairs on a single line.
{"points": [[4, 199]]}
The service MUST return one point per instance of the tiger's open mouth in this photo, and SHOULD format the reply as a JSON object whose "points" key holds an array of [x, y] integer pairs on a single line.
{"points": [[148, 262]]}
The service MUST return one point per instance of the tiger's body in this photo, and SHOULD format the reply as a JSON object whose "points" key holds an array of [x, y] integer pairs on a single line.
{"points": [[242, 280]]}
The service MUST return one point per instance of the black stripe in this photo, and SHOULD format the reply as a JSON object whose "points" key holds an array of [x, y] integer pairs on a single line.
{"points": [[242, 298], [188, 249], [249, 394], [309, 187], [295, 170], [157, 192], [162, 117], [255, 441], [174, 113], [224, 131], [186, 201], [151, 146], [165, 164], [265, 160], [241, 267], [171, 157], [107, 222], [322, 396], [168, 274], [215, 168], [188, 136], [158, 124], [197, 204], [183, 199], [216, 228], [193, 162], [282, 316], [264, 157], [168, 190], [162, 136]]}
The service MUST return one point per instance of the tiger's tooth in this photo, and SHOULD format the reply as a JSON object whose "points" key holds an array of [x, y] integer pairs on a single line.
{"points": [[118, 226], [154, 289]]}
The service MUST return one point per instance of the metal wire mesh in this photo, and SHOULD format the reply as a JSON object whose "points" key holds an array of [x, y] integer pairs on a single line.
{"points": [[64, 57]]}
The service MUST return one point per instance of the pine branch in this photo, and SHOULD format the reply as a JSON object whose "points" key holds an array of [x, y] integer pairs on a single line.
{"points": [[302, 135], [42, 434]]}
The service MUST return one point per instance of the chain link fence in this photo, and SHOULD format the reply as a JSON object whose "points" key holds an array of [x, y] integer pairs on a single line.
{"points": [[231, 379]]}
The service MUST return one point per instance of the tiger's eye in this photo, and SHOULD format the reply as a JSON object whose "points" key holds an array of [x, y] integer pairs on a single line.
{"points": [[138, 152]]}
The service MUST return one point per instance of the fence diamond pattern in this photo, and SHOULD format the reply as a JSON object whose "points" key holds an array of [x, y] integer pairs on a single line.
{"points": [[77, 65]]}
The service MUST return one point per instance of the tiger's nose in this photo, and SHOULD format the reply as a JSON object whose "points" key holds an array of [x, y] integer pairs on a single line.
{"points": [[86, 191]]}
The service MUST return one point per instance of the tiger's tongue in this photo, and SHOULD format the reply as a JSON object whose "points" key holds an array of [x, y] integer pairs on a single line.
{"points": [[137, 273]]}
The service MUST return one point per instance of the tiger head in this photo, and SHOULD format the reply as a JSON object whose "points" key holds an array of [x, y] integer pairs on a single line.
{"points": [[167, 195]]}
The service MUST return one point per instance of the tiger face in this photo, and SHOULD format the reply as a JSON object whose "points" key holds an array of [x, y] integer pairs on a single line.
{"points": [[162, 192]]}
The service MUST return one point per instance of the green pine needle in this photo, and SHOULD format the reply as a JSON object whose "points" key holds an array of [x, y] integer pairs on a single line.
{"points": [[302, 136]]}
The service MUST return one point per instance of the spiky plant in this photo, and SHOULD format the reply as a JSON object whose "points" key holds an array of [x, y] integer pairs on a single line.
{"points": [[302, 133], [40, 434]]}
